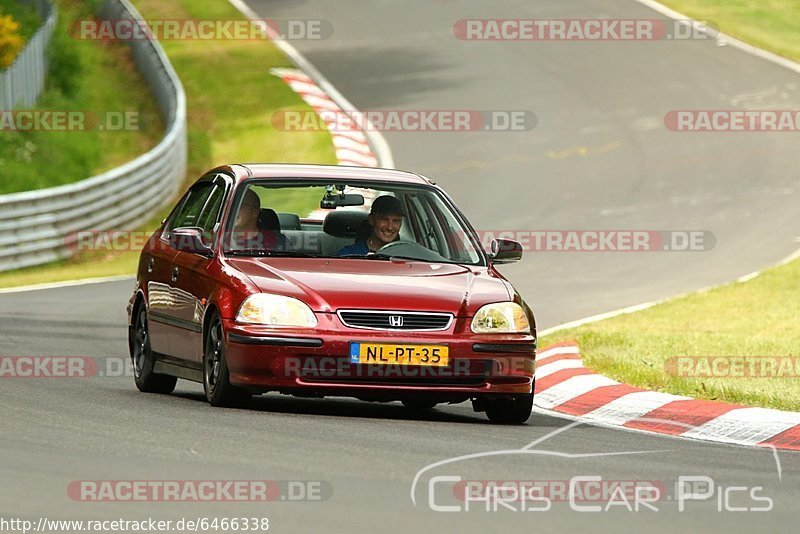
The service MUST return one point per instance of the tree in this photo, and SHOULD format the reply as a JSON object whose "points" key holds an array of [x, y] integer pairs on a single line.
{"points": [[11, 42]]}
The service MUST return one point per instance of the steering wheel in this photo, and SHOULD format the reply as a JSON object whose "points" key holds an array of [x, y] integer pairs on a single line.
{"points": [[410, 249], [395, 244]]}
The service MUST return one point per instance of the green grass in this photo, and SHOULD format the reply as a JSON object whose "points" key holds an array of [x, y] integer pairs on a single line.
{"points": [[87, 266], [770, 24], [301, 201], [84, 76], [23, 13], [230, 98], [742, 319]]}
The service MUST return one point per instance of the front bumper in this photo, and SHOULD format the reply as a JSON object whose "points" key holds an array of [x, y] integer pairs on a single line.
{"points": [[317, 362]]}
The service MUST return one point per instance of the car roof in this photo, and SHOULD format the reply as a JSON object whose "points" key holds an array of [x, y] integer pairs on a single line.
{"points": [[282, 171]]}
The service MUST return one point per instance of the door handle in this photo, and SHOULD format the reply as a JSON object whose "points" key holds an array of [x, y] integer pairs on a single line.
{"points": [[175, 272]]}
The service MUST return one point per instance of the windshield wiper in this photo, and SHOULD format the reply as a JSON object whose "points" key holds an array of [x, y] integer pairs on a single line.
{"points": [[412, 258], [269, 253], [396, 257], [370, 256], [383, 257]]}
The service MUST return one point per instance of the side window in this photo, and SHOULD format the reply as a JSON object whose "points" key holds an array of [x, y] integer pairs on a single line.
{"points": [[190, 208], [210, 212]]}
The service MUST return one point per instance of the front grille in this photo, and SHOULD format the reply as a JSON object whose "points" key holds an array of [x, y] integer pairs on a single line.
{"points": [[395, 320]]}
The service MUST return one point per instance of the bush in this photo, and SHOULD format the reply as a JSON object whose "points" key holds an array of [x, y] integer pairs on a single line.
{"points": [[64, 63], [11, 42]]}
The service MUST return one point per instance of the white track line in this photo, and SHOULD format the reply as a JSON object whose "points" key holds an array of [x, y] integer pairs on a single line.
{"points": [[602, 316], [67, 283], [724, 38]]}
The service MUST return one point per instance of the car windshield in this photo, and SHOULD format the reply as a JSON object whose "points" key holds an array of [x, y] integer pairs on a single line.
{"points": [[340, 220]]}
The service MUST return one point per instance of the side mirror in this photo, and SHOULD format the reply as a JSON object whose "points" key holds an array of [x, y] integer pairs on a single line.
{"points": [[189, 240], [505, 251]]}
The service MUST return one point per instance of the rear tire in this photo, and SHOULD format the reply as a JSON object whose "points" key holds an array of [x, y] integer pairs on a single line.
{"points": [[419, 405], [143, 359], [510, 411], [216, 378]]}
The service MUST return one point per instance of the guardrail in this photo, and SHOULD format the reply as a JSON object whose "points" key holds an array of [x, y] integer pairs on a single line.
{"points": [[23, 82], [39, 226]]}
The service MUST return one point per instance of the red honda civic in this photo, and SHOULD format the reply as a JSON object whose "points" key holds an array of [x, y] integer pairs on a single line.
{"points": [[316, 281]]}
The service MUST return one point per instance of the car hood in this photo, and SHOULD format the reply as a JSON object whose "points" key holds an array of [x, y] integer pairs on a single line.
{"points": [[330, 285]]}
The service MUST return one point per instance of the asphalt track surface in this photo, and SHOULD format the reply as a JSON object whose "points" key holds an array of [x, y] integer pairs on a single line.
{"points": [[605, 100], [395, 55]]}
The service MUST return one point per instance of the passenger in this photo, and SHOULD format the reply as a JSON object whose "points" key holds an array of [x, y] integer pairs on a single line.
{"points": [[385, 220], [257, 228], [247, 218]]}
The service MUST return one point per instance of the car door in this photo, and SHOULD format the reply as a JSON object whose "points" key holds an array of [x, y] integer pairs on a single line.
{"points": [[193, 279], [158, 261], [165, 299]]}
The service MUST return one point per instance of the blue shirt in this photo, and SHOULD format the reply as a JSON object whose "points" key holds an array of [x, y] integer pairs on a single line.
{"points": [[359, 247]]}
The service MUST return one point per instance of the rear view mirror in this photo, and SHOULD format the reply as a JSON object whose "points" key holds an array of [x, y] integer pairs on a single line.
{"points": [[505, 251], [332, 201], [189, 240]]}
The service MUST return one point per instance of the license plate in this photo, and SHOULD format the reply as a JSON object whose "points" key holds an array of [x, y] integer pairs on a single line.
{"points": [[391, 354]]}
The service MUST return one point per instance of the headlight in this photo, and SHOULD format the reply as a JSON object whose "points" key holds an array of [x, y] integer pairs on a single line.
{"points": [[276, 310], [501, 318]]}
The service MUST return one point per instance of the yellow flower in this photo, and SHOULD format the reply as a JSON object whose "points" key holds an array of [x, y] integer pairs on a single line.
{"points": [[11, 43]]}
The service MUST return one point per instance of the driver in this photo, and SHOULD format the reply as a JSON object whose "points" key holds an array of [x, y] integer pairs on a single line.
{"points": [[385, 220]]}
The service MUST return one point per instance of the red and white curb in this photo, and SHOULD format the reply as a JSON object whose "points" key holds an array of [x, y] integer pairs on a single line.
{"points": [[381, 149], [565, 386], [352, 147]]}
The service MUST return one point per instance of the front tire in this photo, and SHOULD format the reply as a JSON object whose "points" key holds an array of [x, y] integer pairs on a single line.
{"points": [[510, 411], [216, 377], [143, 359]]}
